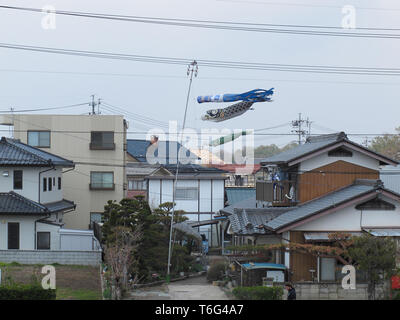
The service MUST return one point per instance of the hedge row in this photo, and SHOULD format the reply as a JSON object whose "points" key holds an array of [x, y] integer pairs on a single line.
{"points": [[258, 293], [26, 292]]}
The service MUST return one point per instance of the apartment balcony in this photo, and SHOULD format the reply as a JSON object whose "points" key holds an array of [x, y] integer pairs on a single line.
{"points": [[277, 193]]}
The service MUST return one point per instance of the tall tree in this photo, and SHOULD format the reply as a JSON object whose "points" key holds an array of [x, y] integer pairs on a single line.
{"points": [[376, 256], [120, 257], [152, 249], [388, 145]]}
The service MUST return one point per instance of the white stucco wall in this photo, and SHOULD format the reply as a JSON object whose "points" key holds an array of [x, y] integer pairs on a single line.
{"points": [[30, 183], [26, 231], [54, 234], [323, 159], [211, 199], [351, 219]]}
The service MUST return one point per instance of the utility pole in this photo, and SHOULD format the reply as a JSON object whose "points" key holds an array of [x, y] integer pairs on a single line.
{"points": [[366, 142], [298, 127], [192, 70], [11, 128], [93, 105]]}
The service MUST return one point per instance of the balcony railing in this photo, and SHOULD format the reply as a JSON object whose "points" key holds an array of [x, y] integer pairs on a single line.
{"points": [[276, 192]]}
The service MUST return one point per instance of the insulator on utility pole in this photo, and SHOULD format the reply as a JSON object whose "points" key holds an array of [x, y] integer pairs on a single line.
{"points": [[298, 127]]}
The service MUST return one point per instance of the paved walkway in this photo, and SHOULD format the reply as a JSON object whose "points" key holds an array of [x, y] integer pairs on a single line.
{"points": [[190, 289], [195, 289]]}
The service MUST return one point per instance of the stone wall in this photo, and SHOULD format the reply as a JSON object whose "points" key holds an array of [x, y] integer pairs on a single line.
{"points": [[91, 258], [334, 291]]}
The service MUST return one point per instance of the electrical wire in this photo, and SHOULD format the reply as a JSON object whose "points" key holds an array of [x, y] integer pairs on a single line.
{"points": [[44, 109], [345, 70], [224, 25]]}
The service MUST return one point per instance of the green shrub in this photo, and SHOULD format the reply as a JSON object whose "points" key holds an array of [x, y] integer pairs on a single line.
{"points": [[396, 295], [216, 272], [26, 292], [258, 293]]}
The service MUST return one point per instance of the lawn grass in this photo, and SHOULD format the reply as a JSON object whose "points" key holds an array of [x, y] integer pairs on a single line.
{"points": [[78, 294], [72, 282]]}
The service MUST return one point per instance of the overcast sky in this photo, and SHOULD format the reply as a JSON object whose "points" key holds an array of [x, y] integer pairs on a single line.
{"points": [[355, 104]]}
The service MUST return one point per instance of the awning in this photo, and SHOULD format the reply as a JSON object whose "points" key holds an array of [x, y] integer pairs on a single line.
{"points": [[384, 232], [324, 236], [263, 265]]}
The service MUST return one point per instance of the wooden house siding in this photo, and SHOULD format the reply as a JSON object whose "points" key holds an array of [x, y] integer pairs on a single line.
{"points": [[325, 179], [301, 263]]}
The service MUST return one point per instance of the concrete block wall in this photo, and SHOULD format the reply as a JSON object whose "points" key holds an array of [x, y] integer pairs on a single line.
{"points": [[334, 291], [90, 258]]}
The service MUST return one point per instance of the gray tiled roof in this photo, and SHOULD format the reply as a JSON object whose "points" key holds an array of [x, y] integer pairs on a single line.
{"points": [[254, 221], [14, 152], [13, 203], [193, 169], [312, 144], [314, 206], [60, 206], [140, 169], [316, 143]]}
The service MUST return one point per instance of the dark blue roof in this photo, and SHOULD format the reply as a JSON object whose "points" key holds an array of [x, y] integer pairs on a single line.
{"points": [[137, 148], [14, 152], [13, 203]]}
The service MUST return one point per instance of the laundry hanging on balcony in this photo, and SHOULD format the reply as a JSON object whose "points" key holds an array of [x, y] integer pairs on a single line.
{"points": [[247, 100]]}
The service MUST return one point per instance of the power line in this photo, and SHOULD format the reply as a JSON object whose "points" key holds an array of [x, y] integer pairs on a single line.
{"points": [[280, 3], [349, 70], [45, 109], [110, 74], [225, 25], [189, 133]]}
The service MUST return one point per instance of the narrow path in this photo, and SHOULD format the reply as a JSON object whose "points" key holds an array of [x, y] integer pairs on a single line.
{"points": [[195, 289], [190, 289]]}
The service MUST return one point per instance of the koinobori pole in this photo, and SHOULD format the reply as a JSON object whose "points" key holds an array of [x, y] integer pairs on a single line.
{"points": [[192, 70]]}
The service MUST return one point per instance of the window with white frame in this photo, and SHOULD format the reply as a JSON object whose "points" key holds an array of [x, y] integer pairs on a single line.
{"points": [[40, 139], [186, 193], [137, 184]]}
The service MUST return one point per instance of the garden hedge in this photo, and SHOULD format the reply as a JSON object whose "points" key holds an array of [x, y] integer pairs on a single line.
{"points": [[26, 292], [258, 293]]}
